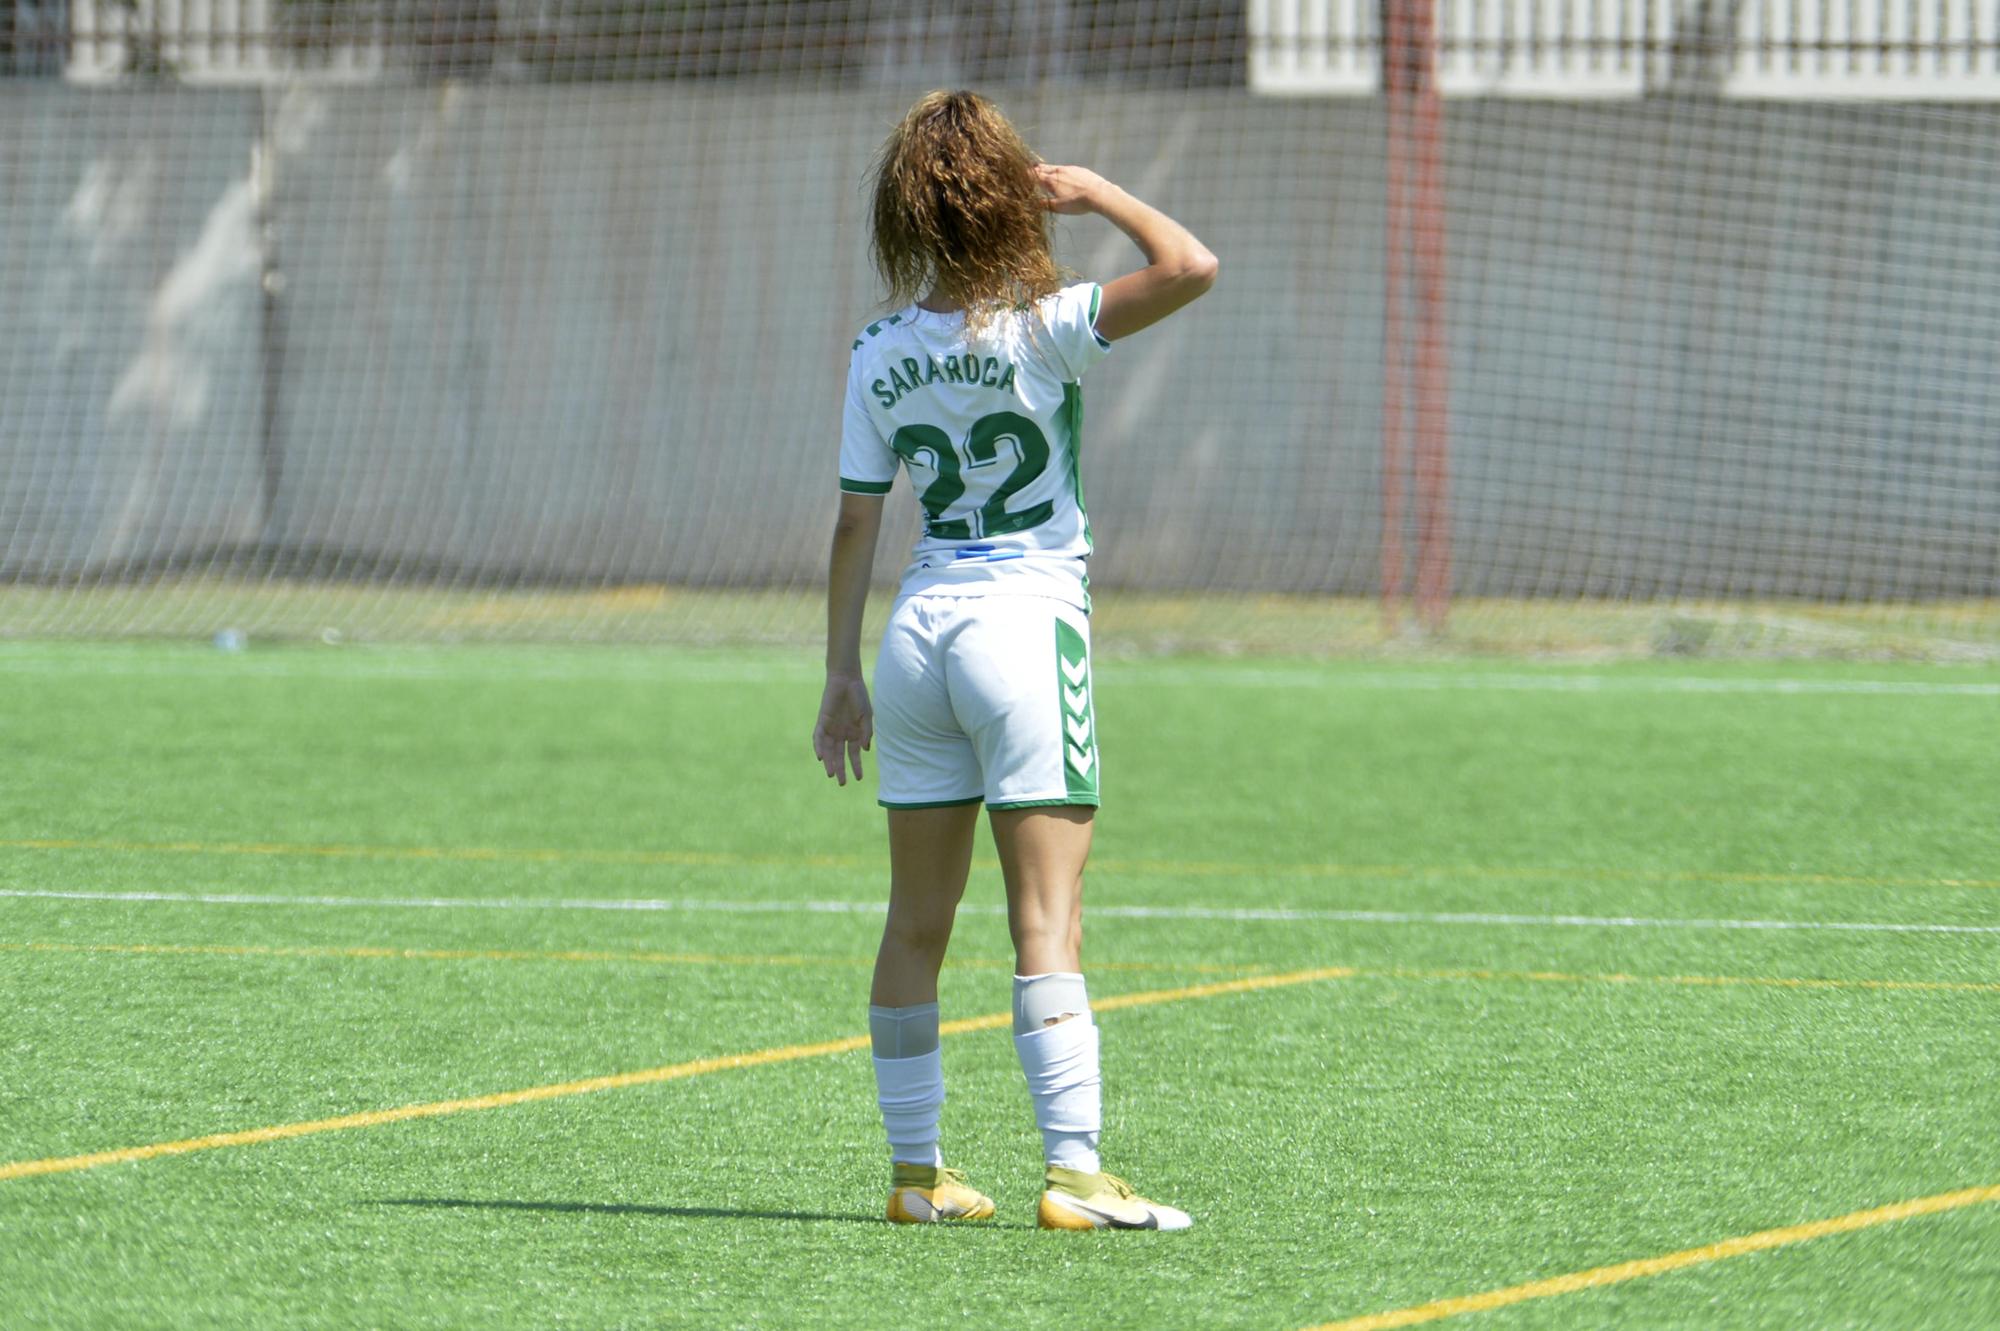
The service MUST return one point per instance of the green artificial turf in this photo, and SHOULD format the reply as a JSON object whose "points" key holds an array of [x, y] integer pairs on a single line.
{"points": [[1493, 1091]]}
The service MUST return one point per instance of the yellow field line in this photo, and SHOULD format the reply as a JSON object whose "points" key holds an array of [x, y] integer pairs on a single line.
{"points": [[430, 954], [673, 1072], [1247, 984], [980, 963], [1673, 1261], [517, 954], [1703, 981], [1532, 873], [1192, 868], [478, 854]]}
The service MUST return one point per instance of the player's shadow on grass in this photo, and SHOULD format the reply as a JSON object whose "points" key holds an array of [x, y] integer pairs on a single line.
{"points": [[618, 1208]]}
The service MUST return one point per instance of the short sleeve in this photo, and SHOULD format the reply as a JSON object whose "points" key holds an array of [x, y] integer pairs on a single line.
{"points": [[867, 464], [1071, 316]]}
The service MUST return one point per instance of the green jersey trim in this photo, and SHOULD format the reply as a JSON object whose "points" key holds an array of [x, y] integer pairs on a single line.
{"points": [[1074, 802], [1072, 409], [1096, 294], [854, 487], [933, 804]]}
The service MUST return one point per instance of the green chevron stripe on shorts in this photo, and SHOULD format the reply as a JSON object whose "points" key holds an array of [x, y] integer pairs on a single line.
{"points": [[1079, 739]]}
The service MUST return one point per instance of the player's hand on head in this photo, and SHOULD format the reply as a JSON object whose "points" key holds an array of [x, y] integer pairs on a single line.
{"points": [[1067, 189], [846, 726]]}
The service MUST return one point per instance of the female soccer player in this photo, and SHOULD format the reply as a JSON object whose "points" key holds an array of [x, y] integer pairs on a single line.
{"points": [[983, 678]]}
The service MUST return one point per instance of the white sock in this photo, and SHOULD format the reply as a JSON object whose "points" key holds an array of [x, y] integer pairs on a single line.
{"points": [[909, 1080], [1061, 1063], [911, 1093]]}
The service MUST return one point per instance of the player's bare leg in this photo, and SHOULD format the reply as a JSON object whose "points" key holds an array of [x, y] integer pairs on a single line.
{"points": [[1042, 854], [930, 853]]}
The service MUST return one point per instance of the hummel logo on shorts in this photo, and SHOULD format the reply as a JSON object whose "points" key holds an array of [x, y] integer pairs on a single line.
{"points": [[1079, 738]]}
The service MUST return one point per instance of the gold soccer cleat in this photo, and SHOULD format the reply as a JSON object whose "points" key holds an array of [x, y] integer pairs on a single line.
{"points": [[924, 1193], [1101, 1201]]}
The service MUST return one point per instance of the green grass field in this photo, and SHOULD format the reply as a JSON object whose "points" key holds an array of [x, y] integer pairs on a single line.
{"points": [[1558, 967]]}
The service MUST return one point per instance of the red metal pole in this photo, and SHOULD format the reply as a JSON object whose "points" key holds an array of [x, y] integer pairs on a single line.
{"points": [[1433, 371], [1396, 214]]}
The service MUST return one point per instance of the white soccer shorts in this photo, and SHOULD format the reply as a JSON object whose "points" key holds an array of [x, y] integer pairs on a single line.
{"points": [[985, 698]]}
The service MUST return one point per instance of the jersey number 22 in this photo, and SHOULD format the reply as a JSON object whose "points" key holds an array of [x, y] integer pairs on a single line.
{"points": [[983, 448]]}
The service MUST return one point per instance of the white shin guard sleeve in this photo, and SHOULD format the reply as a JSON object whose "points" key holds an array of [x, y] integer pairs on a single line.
{"points": [[1061, 1064], [1043, 1000], [911, 1093]]}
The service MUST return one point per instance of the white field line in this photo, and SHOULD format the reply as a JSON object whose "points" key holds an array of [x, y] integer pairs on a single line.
{"points": [[363, 663], [1243, 915], [1475, 681]]}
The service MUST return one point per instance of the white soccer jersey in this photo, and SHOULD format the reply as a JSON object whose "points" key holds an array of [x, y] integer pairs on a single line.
{"points": [[989, 430]]}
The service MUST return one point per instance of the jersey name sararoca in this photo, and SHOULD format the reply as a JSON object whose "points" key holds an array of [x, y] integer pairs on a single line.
{"points": [[985, 371]]}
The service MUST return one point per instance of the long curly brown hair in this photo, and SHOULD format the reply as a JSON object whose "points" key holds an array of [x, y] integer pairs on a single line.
{"points": [[958, 210]]}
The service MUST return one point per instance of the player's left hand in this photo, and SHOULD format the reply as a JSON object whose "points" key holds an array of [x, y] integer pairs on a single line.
{"points": [[845, 727], [1068, 189]]}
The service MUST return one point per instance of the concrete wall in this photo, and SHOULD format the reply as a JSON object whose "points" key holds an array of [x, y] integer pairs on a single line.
{"points": [[596, 332], [130, 379]]}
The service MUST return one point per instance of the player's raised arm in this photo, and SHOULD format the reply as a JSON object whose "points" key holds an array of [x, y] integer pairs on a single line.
{"points": [[1178, 266], [846, 723]]}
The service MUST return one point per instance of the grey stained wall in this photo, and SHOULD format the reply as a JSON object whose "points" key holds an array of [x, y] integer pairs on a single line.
{"points": [[1697, 348], [130, 382]]}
